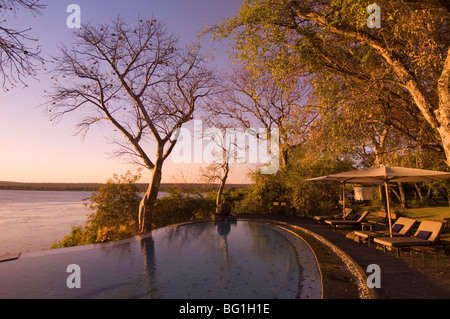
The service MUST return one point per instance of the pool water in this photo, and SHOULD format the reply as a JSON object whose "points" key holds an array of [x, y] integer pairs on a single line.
{"points": [[197, 260]]}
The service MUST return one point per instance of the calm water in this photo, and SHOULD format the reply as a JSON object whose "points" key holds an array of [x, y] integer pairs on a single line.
{"points": [[200, 260], [32, 220]]}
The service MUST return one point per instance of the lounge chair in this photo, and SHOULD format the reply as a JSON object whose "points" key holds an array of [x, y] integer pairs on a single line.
{"points": [[355, 221], [401, 227], [343, 215], [427, 234]]}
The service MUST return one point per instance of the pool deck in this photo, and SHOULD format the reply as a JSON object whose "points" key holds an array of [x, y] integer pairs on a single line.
{"points": [[398, 280]]}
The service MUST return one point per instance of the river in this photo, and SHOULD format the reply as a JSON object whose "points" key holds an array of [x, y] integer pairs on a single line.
{"points": [[31, 220]]}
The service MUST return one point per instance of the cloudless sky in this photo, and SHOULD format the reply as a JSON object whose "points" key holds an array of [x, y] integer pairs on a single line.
{"points": [[33, 149]]}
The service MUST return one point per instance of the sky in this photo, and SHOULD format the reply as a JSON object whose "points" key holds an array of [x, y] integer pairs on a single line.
{"points": [[33, 149]]}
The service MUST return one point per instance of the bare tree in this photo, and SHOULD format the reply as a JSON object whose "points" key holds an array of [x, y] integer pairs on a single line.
{"points": [[139, 80], [17, 59], [259, 98], [219, 169]]}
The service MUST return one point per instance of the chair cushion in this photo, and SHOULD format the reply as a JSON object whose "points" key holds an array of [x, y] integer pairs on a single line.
{"points": [[397, 227], [423, 235]]}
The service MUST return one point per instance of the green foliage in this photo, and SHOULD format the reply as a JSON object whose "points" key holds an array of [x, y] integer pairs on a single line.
{"points": [[289, 185], [261, 195], [314, 198], [351, 67], [181, 206], [115, 216]]}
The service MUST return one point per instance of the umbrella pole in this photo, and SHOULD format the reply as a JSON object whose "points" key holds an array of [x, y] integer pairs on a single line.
{"points": [[343, 198], [386, 186]]}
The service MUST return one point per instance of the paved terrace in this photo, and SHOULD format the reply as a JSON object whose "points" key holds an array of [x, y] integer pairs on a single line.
{"points": [[398, 280]]}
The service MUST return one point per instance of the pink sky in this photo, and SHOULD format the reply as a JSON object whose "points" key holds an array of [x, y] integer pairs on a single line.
{"points": [[33, 149]]}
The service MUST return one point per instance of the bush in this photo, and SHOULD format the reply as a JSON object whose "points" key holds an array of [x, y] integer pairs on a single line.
{"points": [[289, 185], [260, 196], [181, 206], [115, 216]]}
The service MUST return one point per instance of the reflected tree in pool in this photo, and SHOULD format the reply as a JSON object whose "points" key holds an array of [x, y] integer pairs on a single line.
{"points": [[149, 279]]}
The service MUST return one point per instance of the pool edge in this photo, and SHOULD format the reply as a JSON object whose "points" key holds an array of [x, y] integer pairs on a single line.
{"points": [[314, 254], [354, 268]]}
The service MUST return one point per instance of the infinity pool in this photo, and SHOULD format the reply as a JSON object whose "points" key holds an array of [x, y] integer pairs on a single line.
{"points": [[196, 260]]}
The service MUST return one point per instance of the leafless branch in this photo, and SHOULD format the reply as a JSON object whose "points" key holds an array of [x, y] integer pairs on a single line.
{"points": [[17, 58], [136, 77]]}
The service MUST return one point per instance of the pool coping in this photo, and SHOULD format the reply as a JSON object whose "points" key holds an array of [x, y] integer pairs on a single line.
{"points": [[353, 267], [302, 294], [358, 273]]}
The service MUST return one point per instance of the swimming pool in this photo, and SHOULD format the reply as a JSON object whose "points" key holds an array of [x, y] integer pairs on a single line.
{"points": [[196, 260]]}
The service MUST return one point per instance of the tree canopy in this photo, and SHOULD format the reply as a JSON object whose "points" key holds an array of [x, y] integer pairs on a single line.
{"points": [[395, 78]]}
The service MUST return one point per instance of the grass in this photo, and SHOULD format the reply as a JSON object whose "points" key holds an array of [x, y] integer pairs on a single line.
{"points": [[424, 213]]}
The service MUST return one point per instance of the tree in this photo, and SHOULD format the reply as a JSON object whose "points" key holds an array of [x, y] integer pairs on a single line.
{"points": [[259, 98], [220, 159], [289, 185], [411, 49], [373, 126], [138, 79], [16, 57]]}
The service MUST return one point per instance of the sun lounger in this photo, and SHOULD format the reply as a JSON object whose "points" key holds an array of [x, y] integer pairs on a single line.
{"points": [[401, 227], [427, 234], [355, 221], [343, 215]]}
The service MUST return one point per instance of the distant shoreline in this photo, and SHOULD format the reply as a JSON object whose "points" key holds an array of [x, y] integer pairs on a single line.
{"points": [[95, 186]]}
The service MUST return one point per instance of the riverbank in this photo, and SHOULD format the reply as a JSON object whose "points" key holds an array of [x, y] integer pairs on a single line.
{"points": [[5, 185]]}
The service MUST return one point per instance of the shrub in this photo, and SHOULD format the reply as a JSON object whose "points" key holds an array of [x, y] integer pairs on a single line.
{"points": [[289, 185], [115, 216], [181, 206]]}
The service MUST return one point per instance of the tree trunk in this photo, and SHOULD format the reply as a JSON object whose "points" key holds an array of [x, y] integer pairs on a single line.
{"points": [[403, 200], [149, 200], [222, 185], [383, 201], [443, 112], [424, 199], [447, 196]]}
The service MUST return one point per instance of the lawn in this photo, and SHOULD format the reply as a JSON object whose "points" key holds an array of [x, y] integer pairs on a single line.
{"points": [[424, 213]]}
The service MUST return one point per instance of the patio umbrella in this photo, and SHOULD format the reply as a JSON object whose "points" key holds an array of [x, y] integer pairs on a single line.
{"points": [[387, 174]]}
